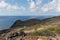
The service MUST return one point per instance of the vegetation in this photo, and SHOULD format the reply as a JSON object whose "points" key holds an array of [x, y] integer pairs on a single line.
{"points": [[47, 32], [48, 27], [51, 29], [57, 30], [43, 33]]}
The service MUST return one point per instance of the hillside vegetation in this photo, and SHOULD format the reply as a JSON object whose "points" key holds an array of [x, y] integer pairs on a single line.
{"points": [[31, 28]]}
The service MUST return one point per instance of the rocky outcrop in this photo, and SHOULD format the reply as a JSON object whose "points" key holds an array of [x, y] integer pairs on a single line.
{"points": [[16, 34]]}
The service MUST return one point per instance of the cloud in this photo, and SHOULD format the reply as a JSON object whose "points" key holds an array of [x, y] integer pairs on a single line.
{"points": [[38, 2], [34, 7], [58, 6], [3, 4], [54, 6], [50, 6], [10, 7]]}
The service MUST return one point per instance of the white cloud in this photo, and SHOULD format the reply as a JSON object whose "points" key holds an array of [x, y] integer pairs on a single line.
{"points": [[10, 7], [38, 2], [58, 6], [22, 8], [54, 6], [50, 6], [34, 7], [3, 4]]}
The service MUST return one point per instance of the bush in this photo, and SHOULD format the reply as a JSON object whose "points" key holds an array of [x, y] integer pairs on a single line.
{"points": [[51, 29], [43, 33], [57, 30]]}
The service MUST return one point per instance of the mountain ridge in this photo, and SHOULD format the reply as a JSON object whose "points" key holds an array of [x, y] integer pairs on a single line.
{"points": [[29, 22], [35, 21]]}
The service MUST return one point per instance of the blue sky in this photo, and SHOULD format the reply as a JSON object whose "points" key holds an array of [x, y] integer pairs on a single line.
{"points": [[29, 7]]}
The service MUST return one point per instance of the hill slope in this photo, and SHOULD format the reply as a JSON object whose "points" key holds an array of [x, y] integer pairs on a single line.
{"points": [[18, 30], [29, 22]]}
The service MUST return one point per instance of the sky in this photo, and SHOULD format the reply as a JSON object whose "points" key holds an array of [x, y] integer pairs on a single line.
{"points": [[29, 7]]}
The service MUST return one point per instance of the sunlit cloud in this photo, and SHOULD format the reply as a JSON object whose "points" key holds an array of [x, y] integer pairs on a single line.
{"points": [[9, 7], [32, 7]]}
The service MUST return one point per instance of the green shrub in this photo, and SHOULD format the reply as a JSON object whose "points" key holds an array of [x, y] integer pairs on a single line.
{"points": [[57, 30], [44, 32], [51, 29]]}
